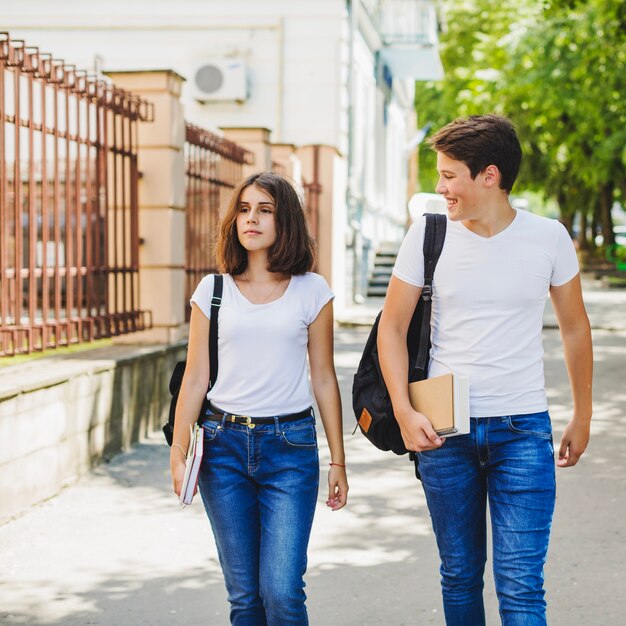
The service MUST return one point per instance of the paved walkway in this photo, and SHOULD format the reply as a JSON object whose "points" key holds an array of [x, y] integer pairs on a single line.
{"points": [[116, 549]]}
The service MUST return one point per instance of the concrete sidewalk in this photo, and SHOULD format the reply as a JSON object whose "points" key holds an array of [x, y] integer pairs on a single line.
{"points": [[116, 549]]}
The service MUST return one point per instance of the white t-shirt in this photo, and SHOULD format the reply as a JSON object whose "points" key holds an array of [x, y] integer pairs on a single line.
{"points": [[262, 348], [489, 295]]}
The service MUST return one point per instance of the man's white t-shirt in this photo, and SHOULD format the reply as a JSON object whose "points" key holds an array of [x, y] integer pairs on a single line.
{"points": [[262, 348], [489, 295]]}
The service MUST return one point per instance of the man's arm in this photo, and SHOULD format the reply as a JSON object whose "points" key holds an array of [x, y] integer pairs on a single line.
{"points": [[417, 432], [567, 301]]}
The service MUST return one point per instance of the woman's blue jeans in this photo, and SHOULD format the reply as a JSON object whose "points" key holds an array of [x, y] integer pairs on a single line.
{"points": [[259, 487], [509, 461]]}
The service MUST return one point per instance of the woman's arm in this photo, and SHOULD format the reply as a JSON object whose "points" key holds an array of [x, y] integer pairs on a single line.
{"points": [[326, 390], [192, 391]]}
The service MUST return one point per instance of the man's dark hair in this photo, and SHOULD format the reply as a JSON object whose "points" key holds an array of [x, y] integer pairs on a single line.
{"points": [[480, 141], [293, 250]]}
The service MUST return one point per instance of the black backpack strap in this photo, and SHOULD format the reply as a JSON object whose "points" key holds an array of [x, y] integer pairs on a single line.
{"points": [[216, 302], [434, 238]]}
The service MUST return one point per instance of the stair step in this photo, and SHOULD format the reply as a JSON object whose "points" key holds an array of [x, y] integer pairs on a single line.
{"points": [[378, 283], [382, 271], [389, 247], [376, 292], [384, 260]]}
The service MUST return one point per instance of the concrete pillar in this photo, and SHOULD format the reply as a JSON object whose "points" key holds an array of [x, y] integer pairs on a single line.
{"points": [[284, 156], [161, 204], [257, 141]]}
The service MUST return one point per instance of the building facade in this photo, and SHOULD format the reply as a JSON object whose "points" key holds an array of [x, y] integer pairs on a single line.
{"points": [[334, 73]]}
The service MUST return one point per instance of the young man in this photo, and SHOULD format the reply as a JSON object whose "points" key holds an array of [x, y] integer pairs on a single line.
{"points": [[496, 269]]}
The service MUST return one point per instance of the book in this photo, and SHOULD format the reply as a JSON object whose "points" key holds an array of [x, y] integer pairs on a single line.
{"points": [[444, 400], [194, 460]]}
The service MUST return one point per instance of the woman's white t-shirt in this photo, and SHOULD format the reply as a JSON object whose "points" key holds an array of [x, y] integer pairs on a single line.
{"points": [[262, 348], [489, 294]]}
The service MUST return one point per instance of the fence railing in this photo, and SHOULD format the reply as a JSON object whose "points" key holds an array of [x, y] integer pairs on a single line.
{"points": [[312, 191], [213, 167], [68, 203]]}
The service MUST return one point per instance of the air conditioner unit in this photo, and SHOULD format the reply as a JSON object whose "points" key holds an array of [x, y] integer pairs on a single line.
{"points": [[219, 80]]}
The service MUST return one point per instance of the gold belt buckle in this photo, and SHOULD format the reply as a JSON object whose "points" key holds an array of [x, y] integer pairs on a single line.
{"points": [[247, 420]]}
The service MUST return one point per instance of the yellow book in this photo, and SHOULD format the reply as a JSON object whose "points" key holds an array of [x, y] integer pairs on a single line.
{"points": [[444, 400]]}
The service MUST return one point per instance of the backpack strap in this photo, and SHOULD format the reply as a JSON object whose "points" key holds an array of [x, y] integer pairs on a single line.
{"points": [[216, 302], [434, 238]]}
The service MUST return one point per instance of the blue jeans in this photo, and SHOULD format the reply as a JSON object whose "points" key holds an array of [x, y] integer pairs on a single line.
{"points": [[508, 460], [259, 487]]}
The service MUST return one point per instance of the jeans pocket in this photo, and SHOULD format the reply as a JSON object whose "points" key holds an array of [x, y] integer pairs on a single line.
{"points": [[211, 430], [534, 424], [299, 436]]}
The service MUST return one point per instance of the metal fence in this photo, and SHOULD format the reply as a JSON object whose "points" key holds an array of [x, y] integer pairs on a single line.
{"points": [[213, 167], [312, 192], [68, 203]]}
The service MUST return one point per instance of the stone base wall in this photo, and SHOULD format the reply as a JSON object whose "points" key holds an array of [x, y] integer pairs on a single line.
{"points": [[62, 415]]}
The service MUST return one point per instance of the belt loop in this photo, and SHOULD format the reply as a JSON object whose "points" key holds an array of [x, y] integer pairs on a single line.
{"points": [[277, 425], [223, 421]]}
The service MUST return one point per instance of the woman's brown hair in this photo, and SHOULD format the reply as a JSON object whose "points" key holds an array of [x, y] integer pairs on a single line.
{"points": [[293, 250]]}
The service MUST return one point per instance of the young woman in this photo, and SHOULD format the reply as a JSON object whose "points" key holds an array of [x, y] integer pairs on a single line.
{"points": [[260, 470]]}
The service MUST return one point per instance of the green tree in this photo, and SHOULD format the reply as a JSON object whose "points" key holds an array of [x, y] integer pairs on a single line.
{"points": [[558, 70], [564, 85], [474, 47]]}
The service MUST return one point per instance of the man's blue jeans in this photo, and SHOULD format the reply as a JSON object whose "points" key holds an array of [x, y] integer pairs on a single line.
{"points": [[259, 487], [508, 460]]}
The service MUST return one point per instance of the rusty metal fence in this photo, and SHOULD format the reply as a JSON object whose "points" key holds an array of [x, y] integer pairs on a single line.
{"points": [[68, 203], [312, 191], [213, 168]]}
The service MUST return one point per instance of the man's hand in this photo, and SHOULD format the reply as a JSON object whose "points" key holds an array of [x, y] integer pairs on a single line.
{"points": [[573, 443], [418, 433]]}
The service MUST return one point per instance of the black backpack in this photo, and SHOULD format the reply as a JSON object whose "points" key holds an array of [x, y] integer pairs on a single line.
{"points": [[370, 398], [179, 369]]}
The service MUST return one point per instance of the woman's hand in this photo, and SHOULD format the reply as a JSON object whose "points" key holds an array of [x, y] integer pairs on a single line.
{"points": [[177, 469], [337, 487]]}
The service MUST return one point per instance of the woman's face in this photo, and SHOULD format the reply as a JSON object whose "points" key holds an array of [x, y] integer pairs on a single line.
{"points": [[256, 228]]}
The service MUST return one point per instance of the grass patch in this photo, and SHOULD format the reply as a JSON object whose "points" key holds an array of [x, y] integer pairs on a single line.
{"points": [[73, 349], [618, 282]]}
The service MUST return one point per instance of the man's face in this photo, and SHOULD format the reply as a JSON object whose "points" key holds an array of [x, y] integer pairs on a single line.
{"points": [[463, 195]]}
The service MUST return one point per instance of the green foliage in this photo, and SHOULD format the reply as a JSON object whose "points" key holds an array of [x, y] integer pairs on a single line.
{"points": [[565, 81], [558, 69], [474, 48]]}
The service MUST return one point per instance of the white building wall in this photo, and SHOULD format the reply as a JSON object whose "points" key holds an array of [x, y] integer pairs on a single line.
{"points": [[291, 47], [379, 177]]}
